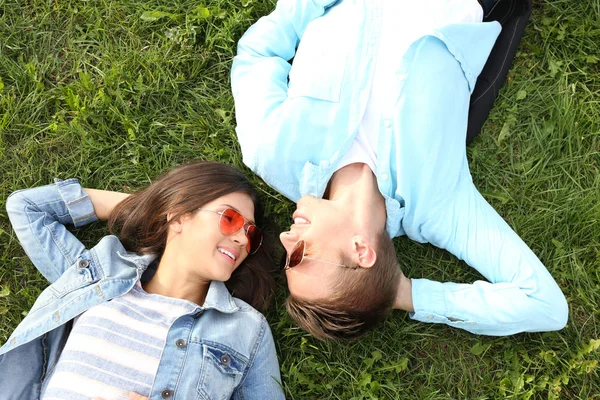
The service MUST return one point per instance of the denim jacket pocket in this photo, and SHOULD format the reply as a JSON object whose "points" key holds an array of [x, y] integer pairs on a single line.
{"points": [[222, 371], [75, 277]]}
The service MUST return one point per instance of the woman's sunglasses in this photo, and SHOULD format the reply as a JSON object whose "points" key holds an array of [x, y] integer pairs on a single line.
{"points": [[297, 255], [230, 223]]}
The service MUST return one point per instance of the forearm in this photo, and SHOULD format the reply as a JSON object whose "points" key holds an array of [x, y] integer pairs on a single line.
{"points": [[260, 70], [39, 215], [278, 34], [104, 201], [520, 295]]}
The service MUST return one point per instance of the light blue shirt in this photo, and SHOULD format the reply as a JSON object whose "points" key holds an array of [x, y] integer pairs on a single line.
{"points": [[293, 134], [222, 349]]}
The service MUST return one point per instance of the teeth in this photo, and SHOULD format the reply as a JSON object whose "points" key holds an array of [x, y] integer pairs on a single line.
{"points": [[227, 253], [300, 220]]}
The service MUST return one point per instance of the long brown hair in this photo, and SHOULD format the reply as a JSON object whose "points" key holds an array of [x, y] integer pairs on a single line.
{"points": [[141, 223]]}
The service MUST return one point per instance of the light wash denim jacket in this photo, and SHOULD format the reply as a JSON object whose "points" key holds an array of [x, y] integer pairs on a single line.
{"points": [[82, 278], [296, 121]]}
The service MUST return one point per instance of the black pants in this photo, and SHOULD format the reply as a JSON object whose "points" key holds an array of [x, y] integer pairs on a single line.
{"points": [[513, 15]]}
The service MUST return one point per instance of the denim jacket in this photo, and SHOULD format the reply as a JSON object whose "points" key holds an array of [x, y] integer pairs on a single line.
{"points": [[295, 122], [82, 278]]}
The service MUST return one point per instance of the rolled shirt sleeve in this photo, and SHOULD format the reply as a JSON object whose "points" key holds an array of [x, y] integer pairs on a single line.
{"points": [[521, 295]]}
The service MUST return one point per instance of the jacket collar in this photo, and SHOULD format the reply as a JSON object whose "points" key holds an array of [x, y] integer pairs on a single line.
{"points": [[219, 298]]}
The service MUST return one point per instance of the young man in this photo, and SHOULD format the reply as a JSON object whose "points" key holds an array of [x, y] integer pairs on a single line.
{"points": [[366, 132]]}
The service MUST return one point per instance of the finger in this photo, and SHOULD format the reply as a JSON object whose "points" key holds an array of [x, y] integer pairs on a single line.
{"points": [[135, 396]]}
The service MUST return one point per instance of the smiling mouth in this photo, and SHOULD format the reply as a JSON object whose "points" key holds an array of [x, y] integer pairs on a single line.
{"points": [[300, 223], [227, 253], [300, 219]]}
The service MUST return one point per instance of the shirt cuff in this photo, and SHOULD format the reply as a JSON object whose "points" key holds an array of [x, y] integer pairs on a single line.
{"points": [[429, 301], [78, 203]]}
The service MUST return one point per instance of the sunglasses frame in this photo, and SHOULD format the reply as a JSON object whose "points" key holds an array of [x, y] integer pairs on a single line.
{"points": [[246, 227], [302, 244]]}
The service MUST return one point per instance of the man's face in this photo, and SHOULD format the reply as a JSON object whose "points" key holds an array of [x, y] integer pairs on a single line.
{"points": [[326, 230]]}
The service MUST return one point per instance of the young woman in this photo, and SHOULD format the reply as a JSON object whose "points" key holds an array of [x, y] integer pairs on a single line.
{"points": [[149, 313]]}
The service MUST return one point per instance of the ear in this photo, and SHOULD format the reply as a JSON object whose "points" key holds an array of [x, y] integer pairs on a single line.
{"points": [[363, 253], [175, 225]]}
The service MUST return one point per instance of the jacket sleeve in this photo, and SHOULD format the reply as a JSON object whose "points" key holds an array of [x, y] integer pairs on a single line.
{"points": [[520, 295], [260, 70], [263, 381], [38, 217]]}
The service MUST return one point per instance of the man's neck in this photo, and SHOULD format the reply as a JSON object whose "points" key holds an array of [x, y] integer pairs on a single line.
{"points": [[355, 186]]}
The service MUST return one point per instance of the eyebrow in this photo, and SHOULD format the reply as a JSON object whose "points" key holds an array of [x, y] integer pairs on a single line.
{"points": [[233, 208]]}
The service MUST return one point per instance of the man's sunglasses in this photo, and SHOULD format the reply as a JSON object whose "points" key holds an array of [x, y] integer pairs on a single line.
{"points": [[297, 255], [230, 223]]}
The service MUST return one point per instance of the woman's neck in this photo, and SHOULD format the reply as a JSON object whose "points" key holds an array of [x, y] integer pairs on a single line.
{"points": [[173, 280]]}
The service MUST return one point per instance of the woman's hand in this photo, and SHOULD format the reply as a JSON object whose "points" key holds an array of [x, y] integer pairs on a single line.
{"points": [[132, 396], [104, 201], [135, 396]]}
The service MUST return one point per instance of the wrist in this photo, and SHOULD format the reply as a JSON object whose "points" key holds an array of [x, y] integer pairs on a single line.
{"points": [[104, 201], [404, 295]]}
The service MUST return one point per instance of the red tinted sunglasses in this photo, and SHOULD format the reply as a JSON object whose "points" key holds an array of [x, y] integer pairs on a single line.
{"points": [[230, 223], [297, 255]]}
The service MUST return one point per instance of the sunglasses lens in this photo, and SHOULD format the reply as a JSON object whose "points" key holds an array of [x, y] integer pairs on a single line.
{"points": [[255, 238], [231, 222], [296, 255]]}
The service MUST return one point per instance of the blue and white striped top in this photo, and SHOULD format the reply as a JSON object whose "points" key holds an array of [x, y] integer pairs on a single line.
{"points": [[115, 347]]}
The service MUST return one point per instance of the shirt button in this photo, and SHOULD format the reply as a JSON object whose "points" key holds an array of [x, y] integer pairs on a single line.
{"points": [[82, 264], [225, 360], [384, 176], [430, 317], [181, 343], [166, 394], [387, 123]]}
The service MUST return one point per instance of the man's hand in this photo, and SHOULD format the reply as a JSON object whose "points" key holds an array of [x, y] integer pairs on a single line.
{"points": [[132, 396]]}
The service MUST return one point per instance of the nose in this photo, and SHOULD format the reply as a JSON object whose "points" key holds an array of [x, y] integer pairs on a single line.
{"points": [[307, 198], [289, 240], [240, 237]]}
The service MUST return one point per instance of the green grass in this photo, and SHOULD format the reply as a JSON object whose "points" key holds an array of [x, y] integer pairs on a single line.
{"points": [[116, 92]]}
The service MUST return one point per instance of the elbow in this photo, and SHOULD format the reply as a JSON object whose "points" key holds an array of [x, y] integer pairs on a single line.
{"points": [[561, 312], [15, 203], [556, 311]]}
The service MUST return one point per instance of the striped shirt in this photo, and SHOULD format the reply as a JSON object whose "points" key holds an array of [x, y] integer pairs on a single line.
{"points": [[115, 347]]}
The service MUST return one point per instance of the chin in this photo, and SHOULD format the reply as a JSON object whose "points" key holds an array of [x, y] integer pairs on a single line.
{"points": [[221, 277]]}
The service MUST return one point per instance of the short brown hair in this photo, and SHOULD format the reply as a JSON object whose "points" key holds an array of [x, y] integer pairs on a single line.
{"points": [[361, 299], [142, 226]]}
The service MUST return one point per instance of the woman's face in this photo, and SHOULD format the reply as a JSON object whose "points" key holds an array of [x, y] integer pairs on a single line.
{"points": [[209, 253]]}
